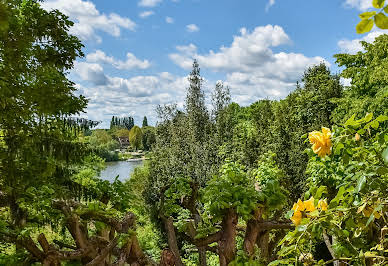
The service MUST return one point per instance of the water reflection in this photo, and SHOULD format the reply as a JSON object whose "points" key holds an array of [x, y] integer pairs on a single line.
{"points": [[123, 169]]}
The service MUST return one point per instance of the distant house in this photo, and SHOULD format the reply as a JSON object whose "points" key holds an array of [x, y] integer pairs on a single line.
{"points": [[124, 142]]}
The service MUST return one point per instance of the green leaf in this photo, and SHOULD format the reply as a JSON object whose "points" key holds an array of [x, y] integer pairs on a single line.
{"points": [[301, 228], [289, 214], [382, 170], [382, 118], [368, 117], [386, 9], [375, 124], [364, 26], [338, 148], [371, 219], [367, 15], [350, 121], [378, 3], [320, 191], [385, 155], [381, 21], [360, 183]]}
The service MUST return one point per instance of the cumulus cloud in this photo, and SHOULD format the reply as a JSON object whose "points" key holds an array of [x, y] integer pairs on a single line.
{"points": [[88, 20], [149, 3], [169, 20], [132, 61], [359, 4], [146, 14], [252, 69], [354, 46], [136, 96], [192, 28]]}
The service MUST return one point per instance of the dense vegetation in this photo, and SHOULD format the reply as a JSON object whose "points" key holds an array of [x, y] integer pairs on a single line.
{"points": [[302, 180]]}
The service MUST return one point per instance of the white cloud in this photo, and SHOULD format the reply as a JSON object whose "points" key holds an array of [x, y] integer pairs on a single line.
{"points": [[359, 4], [149, 3], [88, 19], [269, 4], [169, 20], [132, 61], [354, 46], [192, 28], [136, 96], [252, 69], [146, 14]]}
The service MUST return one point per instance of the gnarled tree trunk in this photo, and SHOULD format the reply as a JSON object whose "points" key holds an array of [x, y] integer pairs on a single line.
{"points": [[227, 243]]}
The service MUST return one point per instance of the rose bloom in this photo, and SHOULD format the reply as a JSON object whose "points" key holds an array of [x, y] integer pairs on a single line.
{"points": [[321, 142]]}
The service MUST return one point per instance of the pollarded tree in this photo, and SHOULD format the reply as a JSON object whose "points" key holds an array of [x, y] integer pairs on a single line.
{"points": [[136, 137]]}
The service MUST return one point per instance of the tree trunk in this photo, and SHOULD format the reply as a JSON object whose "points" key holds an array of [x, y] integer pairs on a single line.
{"points": [[227, 243], [251, 233], [263, 243], [172, 242]]}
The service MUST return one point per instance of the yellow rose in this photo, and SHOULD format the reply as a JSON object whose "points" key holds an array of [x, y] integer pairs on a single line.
{"points": [[322, 204], [321, 142], [309, 205], [296, 217], [299, 206]]}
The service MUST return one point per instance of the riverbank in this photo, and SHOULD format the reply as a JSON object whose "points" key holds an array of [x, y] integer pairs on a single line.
{"points": [[133, 156]]}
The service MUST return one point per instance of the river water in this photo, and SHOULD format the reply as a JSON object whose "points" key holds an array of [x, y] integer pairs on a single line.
{"points": [[123, 169]]}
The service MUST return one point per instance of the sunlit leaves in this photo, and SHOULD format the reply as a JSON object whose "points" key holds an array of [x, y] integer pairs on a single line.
{"points": [[367, 15], [364, 26], [369, 18], [378, 3], [381, 21]]}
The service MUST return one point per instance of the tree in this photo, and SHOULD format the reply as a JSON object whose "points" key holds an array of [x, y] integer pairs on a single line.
{"points": [[45, 170], [125, 122], [136, 137], [149, 137], [368, 72], [103, 144], [36, 101], [145, 122]]}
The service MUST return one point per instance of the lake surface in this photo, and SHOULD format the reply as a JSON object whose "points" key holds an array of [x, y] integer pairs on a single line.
{"points": [[123, 169]]}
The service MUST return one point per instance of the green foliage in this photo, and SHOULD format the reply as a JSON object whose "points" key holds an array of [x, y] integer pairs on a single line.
{"points": [[368, 72], [149, 137], [103, 144], [270, 182], [355, 179], [145, 122], [232, 188], [148, 235], [124, 123], [136, 137]]}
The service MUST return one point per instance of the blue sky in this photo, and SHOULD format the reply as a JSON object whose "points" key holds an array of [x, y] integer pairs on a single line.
{"points": [[139, 52]]}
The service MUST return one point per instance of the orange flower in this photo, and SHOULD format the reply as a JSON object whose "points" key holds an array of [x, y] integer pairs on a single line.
{"points": [[321, 142]]}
